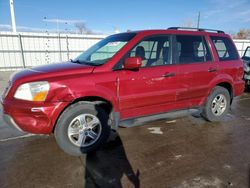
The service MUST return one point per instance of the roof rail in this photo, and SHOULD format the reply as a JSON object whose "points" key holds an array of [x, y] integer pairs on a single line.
{"points": [[195, 29]]}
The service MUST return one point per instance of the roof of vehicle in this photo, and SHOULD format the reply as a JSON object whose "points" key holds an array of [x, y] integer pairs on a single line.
{"points": [[180, 30]]}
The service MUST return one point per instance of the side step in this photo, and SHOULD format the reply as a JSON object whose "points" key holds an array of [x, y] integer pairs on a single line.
{"points": [[169, 115]]}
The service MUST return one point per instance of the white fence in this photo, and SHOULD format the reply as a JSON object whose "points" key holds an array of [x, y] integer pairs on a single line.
{"points": [[241, 45], [29, 49]]}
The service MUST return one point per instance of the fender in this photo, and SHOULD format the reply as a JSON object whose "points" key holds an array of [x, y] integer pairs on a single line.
{"points": [[220, 78], [63, 92], [101, 92]]}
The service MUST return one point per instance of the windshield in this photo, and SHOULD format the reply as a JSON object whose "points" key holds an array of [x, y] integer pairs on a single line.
{"points": [[104, 50]]}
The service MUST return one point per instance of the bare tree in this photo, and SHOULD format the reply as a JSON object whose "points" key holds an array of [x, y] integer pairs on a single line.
{"points": [[82, 28], [243, 34]]}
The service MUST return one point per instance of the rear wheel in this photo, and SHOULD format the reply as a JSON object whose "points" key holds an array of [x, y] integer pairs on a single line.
{"points": [[217, 104], [82, 128]]}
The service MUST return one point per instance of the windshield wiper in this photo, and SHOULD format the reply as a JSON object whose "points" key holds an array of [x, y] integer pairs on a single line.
{"points": [[75, 61], [83, 62]]}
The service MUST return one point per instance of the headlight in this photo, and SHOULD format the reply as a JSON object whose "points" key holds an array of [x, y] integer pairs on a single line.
{"points": [[33, 91]]}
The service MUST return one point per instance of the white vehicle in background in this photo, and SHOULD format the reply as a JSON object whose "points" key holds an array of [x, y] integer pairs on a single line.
{"points": [[246, 60]]}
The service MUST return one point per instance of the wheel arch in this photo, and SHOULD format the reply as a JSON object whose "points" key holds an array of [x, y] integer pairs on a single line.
{"points": [[228, 86], [107, 105]]}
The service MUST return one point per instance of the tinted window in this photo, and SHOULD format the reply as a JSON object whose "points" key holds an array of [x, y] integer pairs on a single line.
{"points": [[225, 48], [191, 49]]}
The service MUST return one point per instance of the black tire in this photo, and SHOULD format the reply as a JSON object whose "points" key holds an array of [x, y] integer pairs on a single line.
{"points": [[65, 120], [208, 113]]}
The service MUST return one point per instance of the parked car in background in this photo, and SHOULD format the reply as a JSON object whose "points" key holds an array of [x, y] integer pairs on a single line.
{"points": [[125, 79], [246, 61]]}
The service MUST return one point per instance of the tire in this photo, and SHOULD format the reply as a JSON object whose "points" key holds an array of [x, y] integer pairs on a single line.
{"points": [[217, 105], [82, 128]]}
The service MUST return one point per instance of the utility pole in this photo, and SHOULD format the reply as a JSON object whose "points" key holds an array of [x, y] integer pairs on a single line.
{"points": [[57, 26], [198, 21], [13, 19]]}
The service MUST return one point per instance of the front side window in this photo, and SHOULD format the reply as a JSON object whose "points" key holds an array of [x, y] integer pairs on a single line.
{"points": [[101, 52], [154, 51], [225, 49], [192, 49]]}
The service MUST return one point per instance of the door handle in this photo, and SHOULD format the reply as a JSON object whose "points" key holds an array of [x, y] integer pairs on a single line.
{"points": [[170, 74], [212, 70]]}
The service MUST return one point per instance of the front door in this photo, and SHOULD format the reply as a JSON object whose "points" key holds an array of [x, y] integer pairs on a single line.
{"points": [[151, 89]]}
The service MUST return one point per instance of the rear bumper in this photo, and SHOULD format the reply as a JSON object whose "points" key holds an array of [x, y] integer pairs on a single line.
{"points": [[37, 118]]}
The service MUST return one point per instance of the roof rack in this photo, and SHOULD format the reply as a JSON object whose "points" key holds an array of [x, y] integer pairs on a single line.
{"points": [[195, 29]]}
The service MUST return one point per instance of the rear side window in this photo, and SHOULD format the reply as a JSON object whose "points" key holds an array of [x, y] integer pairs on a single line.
{"points": [[225, 48], [192, 49]]}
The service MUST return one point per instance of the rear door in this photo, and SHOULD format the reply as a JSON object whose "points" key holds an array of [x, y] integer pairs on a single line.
{"points": [[196, 68], [151, 89]]}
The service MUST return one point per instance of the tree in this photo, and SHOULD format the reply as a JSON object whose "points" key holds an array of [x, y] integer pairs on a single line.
{"points": [[82, 28], [243, 34]]}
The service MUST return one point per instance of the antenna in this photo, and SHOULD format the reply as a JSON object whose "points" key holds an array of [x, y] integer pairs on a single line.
{"points": [[198, 21]]}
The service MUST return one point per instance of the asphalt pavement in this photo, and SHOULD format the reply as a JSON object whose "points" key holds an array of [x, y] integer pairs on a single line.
{"points": [[186, 152]]}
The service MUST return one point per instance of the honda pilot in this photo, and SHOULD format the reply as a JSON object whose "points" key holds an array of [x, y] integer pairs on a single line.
{"points": [[124, 80]]}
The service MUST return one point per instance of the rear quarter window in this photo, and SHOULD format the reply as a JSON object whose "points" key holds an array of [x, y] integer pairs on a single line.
{"points": [[225, 48]]}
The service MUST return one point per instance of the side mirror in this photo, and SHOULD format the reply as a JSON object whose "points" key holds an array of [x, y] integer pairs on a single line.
{"points": [[132, 63]]}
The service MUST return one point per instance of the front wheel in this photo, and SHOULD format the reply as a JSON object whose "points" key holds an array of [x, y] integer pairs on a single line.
{"points": [[217, 105], [82, 128]]}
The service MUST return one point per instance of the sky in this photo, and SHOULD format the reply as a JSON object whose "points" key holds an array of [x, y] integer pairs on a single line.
{"points": [[105, 16]]}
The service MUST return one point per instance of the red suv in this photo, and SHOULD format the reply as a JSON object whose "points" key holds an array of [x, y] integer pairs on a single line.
{"points": [[123, 80]]}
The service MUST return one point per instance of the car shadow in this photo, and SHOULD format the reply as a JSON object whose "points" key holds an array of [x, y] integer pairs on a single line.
{"points": [[107, 166]]}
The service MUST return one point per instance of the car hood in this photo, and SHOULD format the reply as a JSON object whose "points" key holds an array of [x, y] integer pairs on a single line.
{"points": [[51, 70]]}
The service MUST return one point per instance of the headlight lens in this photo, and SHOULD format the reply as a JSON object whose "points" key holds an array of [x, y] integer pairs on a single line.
{"points": [[33, 91]]}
